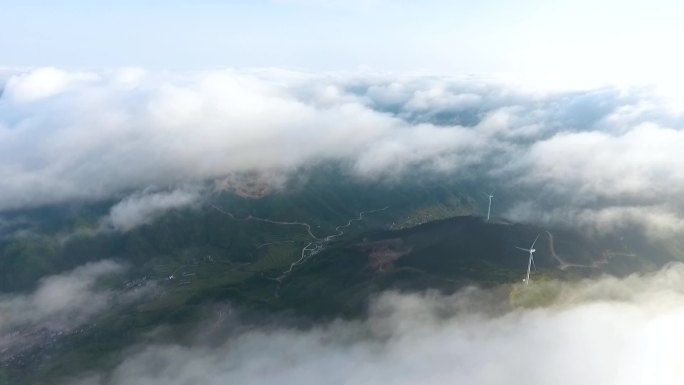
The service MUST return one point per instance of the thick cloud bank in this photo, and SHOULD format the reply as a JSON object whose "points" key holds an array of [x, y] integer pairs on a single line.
{"points": [[602, 157], [605, 331]]}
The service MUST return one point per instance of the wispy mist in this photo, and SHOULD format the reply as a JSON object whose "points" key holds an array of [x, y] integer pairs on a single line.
{"points": [[144, 207], [61, 303]]}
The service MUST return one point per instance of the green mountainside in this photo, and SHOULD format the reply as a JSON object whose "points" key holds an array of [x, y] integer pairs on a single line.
{"points": [[317, 249]]}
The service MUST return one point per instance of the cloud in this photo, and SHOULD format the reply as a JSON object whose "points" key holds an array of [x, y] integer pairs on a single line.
{"points": [[606, 179], [72, 136], [430, 148], [659, 222], [637, 163], [64, 299], [99, 137], [142, 208], [42, 83], [602, 331], [60, 303]]}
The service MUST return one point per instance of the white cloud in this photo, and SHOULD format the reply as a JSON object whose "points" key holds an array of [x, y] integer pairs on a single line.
{"points": [[41, 83], [605, 331], [641, 161], [605, 180], [96, 136], [143, 208], [59, 300], [60, 303], [659, 222], [100, 138], [433, 149]]}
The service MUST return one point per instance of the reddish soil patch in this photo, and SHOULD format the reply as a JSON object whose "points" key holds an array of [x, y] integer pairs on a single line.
{"points": [[383, 253]]}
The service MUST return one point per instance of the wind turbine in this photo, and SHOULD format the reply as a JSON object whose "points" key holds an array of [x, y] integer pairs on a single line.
{"points": [[489, 209], [530, 262]]}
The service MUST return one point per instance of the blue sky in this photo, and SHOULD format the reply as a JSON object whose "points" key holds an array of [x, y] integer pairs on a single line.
{"points": [[579, 39]]}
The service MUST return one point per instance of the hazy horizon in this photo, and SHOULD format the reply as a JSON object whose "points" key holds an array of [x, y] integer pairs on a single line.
{"points": [[587, 41]]}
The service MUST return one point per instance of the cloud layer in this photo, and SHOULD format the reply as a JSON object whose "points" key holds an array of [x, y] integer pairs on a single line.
{"points": [[604, 331], [595, 156], [61, 303]]}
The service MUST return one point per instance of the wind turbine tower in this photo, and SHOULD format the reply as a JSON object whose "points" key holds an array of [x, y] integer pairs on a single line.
{"points": [[489, 208], [530, 261]]}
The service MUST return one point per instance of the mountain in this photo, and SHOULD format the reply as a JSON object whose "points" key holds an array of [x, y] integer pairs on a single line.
{"points": [[316, 248]]}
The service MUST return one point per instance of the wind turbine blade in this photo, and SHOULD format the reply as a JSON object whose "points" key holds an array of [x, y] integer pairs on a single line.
{"points": [[520, 248], [535, 241], [533, 265]]}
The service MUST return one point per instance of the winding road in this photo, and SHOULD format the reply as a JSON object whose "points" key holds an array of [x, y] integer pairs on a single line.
{"points": [[312, 248], [253, 218], [562, 264]]}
